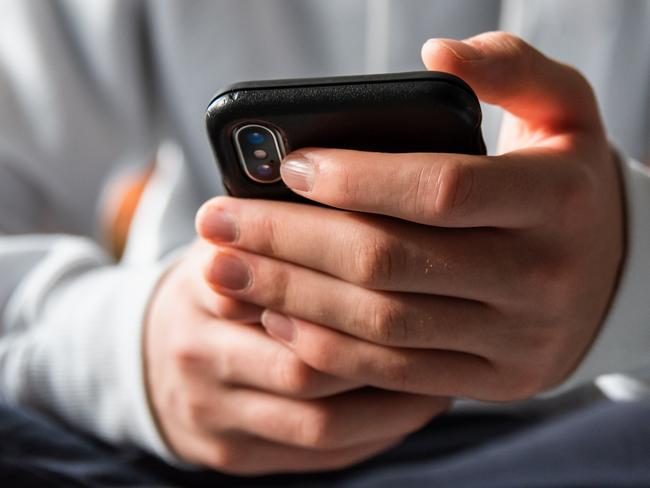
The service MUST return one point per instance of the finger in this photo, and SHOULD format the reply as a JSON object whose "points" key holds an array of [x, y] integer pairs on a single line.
{"points": [[448, 190], [551, 99], [337, 422], [227, 308], [247, 455], [242, 355], [378, 253], [393, 319], [427, 372], [219, 306], [505, 70]]}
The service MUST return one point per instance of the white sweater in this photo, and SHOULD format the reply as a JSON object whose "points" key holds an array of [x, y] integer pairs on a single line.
{"points": [[89, 89]]}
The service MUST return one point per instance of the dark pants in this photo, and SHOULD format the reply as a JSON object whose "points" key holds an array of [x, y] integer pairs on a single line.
{"points": [[602, 445]]}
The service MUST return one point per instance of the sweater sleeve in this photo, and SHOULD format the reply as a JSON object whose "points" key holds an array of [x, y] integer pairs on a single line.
{"points": [[76, 106], [71, 344], [72, 327]]}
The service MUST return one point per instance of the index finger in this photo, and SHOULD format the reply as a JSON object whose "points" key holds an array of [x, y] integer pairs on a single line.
{"points": [[518, 189]]}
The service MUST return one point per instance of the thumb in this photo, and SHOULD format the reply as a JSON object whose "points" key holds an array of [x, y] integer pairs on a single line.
{"points": [[505, 70]]}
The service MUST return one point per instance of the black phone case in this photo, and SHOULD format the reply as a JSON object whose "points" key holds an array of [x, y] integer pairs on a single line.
{"points": [[400, 112]]}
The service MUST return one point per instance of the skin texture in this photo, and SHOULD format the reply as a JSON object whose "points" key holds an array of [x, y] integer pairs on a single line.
{"points": [[444, 275], [228, 396]]}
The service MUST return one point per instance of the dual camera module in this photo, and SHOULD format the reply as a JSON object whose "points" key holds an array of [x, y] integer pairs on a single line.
{"points": [[260, 151]]}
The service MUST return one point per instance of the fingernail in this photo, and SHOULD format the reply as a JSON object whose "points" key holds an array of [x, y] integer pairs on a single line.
{"points": [[219, 225], [229, 272], [279, 326], [298, 173], [460, 49]]}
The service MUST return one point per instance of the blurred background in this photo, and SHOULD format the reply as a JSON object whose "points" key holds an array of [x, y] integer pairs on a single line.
{"points": [[89, 89]]}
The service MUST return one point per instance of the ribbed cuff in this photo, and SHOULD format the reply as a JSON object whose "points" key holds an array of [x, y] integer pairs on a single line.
{"points": [[76, 351]]}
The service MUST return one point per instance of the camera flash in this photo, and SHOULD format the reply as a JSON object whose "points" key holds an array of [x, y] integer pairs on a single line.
{"points": [[260, 154]]}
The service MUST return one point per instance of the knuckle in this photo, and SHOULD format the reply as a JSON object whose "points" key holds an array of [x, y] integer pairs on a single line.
{"points": [[512, 41], [509, 44], [222, 456], [420, 200], [524, 376], [576, 195], [224, 366], [193, 409], [346, 188], [579, 77], [294, 376], [269, 233], [550, 282], [323, 355], [208, 264], [397, 374], [375, 262], [316, 428], [227, 308], [454, 188], [277, 296], [549, 353], [581, 87], [388, 325], [185, 353]]}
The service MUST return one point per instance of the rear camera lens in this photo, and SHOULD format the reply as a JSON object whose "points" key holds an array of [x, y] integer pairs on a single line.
{"points": [[259, 149], [255, 138], [265, 169]]}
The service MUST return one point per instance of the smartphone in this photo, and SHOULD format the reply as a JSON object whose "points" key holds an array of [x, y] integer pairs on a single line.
{"points": [[253, 125]]}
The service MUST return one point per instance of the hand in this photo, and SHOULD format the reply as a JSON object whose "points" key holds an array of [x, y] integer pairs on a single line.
{"points": [[229, 397], [482, 277]]}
